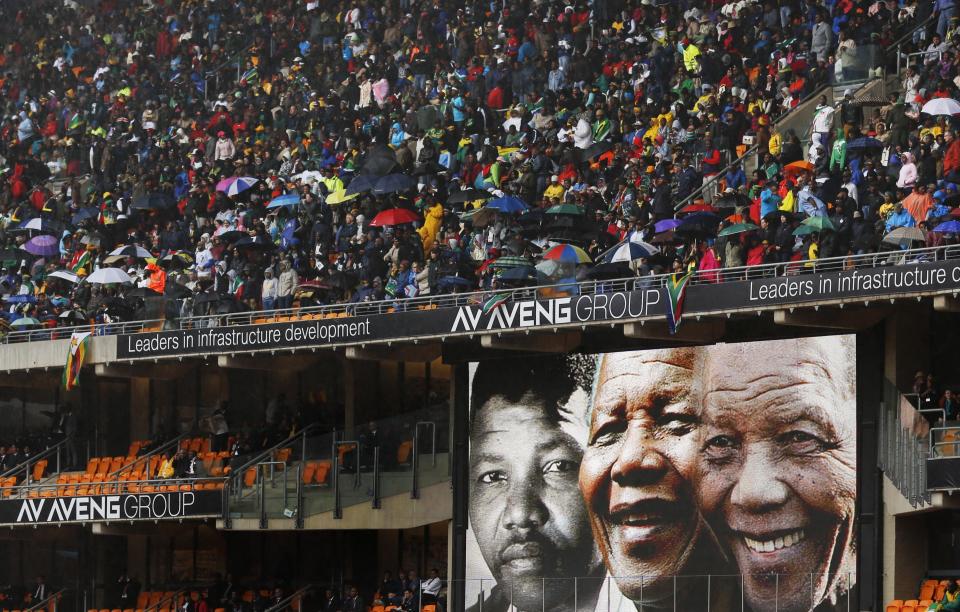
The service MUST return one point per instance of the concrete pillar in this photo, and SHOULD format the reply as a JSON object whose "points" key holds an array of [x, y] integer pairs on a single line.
{"points": [[141, 409]]}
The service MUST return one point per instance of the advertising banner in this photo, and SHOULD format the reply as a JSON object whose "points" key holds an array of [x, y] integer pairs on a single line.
{"points": [[603, 306], [102, 508], [691, 478]]}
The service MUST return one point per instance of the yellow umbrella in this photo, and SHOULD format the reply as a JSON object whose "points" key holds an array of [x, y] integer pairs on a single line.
{"points": [[340, 196]]}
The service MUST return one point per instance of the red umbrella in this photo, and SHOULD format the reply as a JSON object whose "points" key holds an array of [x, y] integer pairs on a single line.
{"points": [[394, 216], [697, 206]]}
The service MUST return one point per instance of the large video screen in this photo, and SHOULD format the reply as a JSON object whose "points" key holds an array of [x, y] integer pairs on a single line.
{"points": [[695, 478]]}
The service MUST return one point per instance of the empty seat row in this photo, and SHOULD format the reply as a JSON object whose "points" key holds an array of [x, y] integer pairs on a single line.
{"points": [[318, 316]]}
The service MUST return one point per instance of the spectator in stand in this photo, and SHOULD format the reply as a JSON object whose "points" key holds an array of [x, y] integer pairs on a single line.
{"points": [[116, 136]]}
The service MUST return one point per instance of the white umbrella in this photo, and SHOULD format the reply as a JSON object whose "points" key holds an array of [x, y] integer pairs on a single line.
{"points": [[941, 106], [66, 275], [109, 276], [131, 250]]}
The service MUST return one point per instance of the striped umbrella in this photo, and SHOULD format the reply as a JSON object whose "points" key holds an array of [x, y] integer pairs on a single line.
{"points": [[236, 184], [629, 250], [567, 253], [511, 261]]}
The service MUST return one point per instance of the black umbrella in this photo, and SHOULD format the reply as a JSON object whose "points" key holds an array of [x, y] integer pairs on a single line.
{"points": [[72, 317], [342, 280], [703, 223], [619, 269], [593, 151], [467, 195], [732, 200], [141, 292], [153, 201], [176, 291], [258, 243], [393, 183], [361, 183], [378, 166]]}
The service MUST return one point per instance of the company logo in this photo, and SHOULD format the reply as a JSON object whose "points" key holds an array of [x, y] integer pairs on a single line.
{"points": [[559, 311], [106, 508]]}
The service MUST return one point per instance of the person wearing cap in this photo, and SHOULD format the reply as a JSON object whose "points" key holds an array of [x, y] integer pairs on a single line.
{"points": [[555, 189], [224, 149]]}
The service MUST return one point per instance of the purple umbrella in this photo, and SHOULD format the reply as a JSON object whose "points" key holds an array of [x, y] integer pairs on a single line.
{"points": [[666, 225], [43, 246]]}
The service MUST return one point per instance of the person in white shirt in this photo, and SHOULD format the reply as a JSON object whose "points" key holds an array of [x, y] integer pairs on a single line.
{"points": [[430, 588], [268, 291]]}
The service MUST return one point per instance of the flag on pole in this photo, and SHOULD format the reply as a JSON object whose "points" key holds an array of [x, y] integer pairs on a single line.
{"points": [[75, 356], [676, 292], [495, 302]]}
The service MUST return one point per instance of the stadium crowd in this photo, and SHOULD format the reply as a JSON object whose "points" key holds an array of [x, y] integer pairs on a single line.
{"points": [[240, 155]]}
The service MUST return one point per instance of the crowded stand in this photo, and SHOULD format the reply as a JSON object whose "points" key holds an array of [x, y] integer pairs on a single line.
{"points": [[337, 153]]}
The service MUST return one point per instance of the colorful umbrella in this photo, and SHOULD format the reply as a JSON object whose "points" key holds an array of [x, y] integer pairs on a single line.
{"points": [[508, 204], [567, 253], [629, 251], [737, 228], [236, 184], [43, 246], [39, 224], [131, 250], [394, 216], [287, 199]]}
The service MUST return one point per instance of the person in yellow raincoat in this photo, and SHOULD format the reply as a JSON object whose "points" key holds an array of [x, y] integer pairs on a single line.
{"points": [[431, 226]]}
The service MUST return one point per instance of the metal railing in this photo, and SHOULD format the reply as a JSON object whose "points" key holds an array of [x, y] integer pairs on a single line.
{"points": [[452, 300], [292, 602], [107, 487], [96, 329], [904, 444], [673, 593], [27, 466], [358, 469], [908, 39], [48, 603], [158, 451]]}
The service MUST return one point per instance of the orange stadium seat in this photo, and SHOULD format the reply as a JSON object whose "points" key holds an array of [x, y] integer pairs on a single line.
{"points": [[927, 590], [924, 604], [308, 469], [404, 451], [322, 473], [894, 606], [39, 468], [909, 606]]}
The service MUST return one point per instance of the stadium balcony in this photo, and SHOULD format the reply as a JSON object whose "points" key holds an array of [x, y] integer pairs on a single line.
{"points": [[830, 293], [391, 473]]}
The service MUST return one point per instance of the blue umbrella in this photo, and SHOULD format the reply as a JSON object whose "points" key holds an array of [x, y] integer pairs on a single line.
{"points": [[864, 142], [455, 281], [83, 214], [361, 183], [289, 199], [665, 225], [508, 204], [948, 227], [392, 183], [40, 224]]}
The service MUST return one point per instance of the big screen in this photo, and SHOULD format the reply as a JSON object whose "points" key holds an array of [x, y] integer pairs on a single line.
{"points": [[694, 478]]}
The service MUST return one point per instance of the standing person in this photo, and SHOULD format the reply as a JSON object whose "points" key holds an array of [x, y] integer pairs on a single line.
{"points": [[287, 285], [268, 290], [353, 602], [219, 428]]}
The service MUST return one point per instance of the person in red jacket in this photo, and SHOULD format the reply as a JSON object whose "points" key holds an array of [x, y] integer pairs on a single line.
{"points": [[951, 156]]}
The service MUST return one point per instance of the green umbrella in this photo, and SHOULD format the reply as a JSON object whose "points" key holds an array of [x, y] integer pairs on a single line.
{"points": [[737, 228], [25, 322], [820, 224], [565, 209], [805, 230]]}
